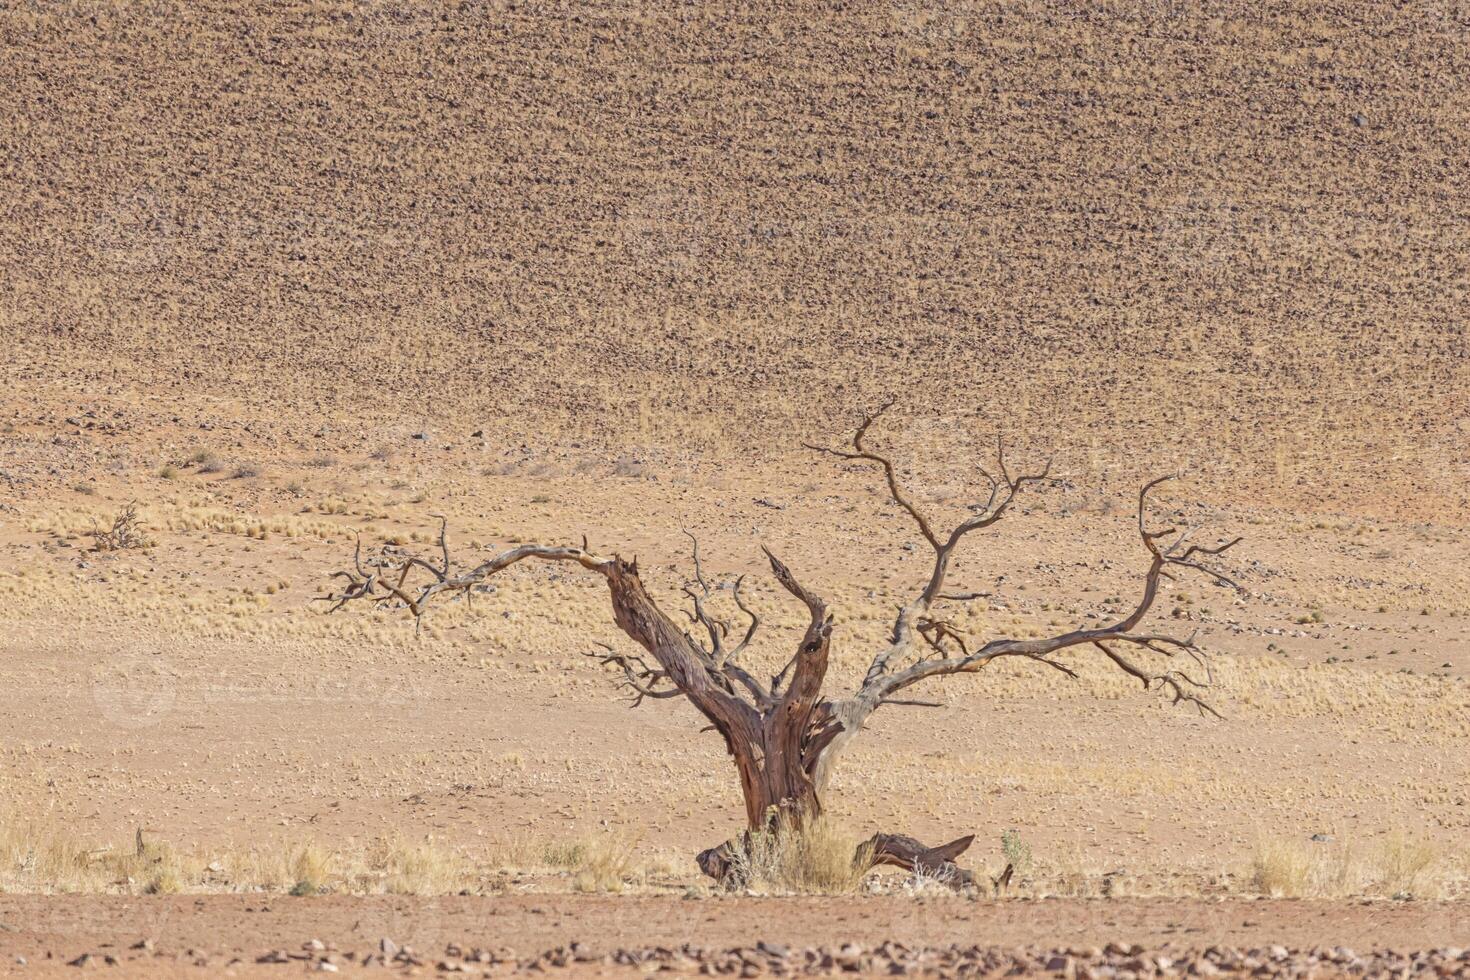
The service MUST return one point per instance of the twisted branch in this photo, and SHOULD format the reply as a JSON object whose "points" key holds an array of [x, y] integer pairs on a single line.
{"points": [[638, 677], [1182, 685]]}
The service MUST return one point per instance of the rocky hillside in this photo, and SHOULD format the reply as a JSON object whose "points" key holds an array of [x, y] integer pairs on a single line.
{"points": [[1233, 237]]}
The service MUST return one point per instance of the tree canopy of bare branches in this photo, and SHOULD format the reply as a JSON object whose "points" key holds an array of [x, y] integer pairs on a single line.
{"points": [[784, 731]]}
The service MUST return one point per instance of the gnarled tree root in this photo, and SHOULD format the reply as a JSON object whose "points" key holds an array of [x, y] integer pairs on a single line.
{"points": [[904, 852], [895, 850]]}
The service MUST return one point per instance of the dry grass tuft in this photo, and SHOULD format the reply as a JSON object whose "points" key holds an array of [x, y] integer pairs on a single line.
{"points": [[599, 864], [34, 858], [311, 867], [1399, 866], [607, 865], [814, 858], [424, 869]]}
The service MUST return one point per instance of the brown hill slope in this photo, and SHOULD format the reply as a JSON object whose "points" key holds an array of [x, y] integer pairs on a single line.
{"points": [[1235, 237]]}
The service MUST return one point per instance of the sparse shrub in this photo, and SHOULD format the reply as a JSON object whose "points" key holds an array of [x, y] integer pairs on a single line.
{"points": [[1017, 852], [126, 532], [601, 864], [517, 852], [245, 471], [322, 461], [628, 466], [169, 472], [1281, 868]]}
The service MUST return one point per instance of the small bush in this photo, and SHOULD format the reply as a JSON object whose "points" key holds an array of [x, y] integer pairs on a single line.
{"points": [[1017, 852], [1402, 865], [126, 532]]}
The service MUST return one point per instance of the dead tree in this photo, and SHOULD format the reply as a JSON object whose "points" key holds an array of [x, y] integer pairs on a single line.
{"points": [[784, 732], [126, 531]]}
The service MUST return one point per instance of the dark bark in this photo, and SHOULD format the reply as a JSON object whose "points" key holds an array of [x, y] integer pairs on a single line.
{"points": [[899, 851]]}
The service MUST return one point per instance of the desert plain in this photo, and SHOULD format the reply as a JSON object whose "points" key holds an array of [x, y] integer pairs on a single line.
{"points": [[283, 277]]}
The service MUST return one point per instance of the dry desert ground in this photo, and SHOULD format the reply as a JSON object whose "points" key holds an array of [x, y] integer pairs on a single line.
{"points": [[276, 278]]}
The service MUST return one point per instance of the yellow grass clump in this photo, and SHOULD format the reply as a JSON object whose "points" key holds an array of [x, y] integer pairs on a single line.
{"points": [[811, 858], [1398, 866]]}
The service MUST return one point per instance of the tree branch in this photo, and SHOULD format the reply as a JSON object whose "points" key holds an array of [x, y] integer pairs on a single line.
{"points": [[860, 452], [810, 660], [1002, 492], [682, 663], [720, 658], [877, 689]]}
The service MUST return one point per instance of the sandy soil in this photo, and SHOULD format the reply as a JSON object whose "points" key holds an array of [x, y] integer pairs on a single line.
{"points": [[285, 274], [218, 929], [1122, 230]]}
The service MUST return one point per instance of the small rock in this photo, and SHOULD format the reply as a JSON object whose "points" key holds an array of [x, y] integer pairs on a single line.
{"points": [[387, 947], [326, 967]]}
